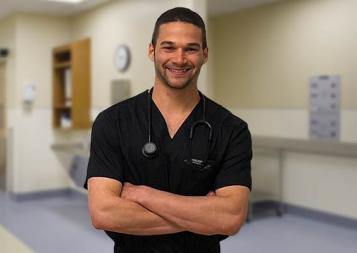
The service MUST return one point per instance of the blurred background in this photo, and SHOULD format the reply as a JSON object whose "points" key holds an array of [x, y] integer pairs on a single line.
{"points": [[287, 67]]}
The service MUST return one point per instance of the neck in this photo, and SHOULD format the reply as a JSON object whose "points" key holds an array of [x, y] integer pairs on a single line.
{"points": [[175, 100]]}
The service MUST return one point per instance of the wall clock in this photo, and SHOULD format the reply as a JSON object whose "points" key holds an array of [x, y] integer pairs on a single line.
{"points": [[122, 58]]}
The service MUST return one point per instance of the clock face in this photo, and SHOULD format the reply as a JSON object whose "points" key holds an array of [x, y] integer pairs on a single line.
{"points": [[122, 57]]}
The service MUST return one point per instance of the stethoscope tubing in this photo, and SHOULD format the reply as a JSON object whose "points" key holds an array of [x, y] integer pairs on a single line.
{"points": [[150, 149]]}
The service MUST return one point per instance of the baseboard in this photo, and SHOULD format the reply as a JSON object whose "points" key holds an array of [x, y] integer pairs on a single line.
{"points": [[66, 192], [264, 208], [321, 216]]}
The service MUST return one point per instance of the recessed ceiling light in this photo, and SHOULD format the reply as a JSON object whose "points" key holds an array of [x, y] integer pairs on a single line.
{"points": [[67, 1]]}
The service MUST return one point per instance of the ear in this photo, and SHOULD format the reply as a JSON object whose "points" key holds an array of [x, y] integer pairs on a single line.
{"points": [[151, 52], [205, 55]]}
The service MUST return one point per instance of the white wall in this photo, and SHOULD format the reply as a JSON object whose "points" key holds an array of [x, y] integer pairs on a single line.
{"points": [[264, 58]]}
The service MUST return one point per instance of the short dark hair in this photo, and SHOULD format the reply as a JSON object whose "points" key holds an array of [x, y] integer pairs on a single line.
{"points": [[180, 14]]}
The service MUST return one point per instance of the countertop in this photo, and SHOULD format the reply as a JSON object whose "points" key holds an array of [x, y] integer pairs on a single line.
{"points": [[259, 142]]}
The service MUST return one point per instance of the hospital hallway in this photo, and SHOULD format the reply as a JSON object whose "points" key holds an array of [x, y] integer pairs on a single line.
{"points": [[60, 223]]}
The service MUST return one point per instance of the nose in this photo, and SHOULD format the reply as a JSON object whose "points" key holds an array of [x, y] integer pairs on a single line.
{"points": [[179, 57]]}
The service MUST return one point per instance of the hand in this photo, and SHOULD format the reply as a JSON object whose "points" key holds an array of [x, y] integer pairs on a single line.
{"points": [[211, 194], [132, 192], [128, 191]]}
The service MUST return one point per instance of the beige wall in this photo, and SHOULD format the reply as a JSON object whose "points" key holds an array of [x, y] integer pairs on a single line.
{"points": [[2, 82], [7, 40], [266, 55], [2, 96], [263, 59], [32, 165], [2, 127], [36, 36]]}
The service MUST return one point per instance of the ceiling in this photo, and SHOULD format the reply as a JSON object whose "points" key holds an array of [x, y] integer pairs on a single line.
{"points": [[215, 7], [46, 7], [219, 7]]}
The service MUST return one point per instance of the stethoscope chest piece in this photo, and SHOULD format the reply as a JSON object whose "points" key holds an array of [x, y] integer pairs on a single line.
{"points": [[149, 150]]}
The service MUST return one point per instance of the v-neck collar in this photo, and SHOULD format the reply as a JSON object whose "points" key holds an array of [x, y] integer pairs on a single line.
{"points": [[157, 117]]}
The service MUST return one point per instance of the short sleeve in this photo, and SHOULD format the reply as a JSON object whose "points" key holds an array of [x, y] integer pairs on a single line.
{"points": [[236, 166], [105, 158]]}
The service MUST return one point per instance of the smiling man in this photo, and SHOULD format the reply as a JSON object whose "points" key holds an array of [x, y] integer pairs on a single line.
{"points": [[178, 54], [169, 169]]}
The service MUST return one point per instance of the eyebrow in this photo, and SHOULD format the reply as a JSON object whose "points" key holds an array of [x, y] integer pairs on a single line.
{"points": [[172, 43], [167, 43]]}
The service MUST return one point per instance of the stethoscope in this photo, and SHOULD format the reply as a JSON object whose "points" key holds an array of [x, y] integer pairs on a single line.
{"points": [[150, 149]]}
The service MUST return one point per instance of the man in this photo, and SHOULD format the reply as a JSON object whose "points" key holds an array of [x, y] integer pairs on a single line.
{"points": [[169, 169]]}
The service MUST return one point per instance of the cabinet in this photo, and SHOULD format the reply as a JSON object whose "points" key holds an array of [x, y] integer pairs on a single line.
{"points": [[71, 85]]}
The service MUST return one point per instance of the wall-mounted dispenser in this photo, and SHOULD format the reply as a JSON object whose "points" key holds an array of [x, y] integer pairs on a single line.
{"points": [[29, 94]]}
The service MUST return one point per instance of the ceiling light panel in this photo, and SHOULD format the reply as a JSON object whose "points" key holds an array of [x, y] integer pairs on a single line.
{"points": [[67, 1]]}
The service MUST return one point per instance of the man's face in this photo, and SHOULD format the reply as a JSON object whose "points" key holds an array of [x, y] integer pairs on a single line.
{"points": [[178, 54]]}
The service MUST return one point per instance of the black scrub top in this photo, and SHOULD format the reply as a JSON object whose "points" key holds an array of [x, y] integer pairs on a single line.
{"points": [[117, 138]]}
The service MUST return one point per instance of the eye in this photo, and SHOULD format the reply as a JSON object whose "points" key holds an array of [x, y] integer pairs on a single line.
{"points": [[191, 49], [169, 48]]}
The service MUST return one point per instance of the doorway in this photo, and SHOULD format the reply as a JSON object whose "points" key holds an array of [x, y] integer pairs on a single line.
{"points": [[2, 128]]}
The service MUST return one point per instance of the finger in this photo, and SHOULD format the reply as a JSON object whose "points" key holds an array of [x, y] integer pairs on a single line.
{"points": [[211, 193]]}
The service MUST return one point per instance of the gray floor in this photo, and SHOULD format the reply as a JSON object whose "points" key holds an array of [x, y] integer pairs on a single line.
{"points": [[61, 224], [51, 225], [291, 234]]}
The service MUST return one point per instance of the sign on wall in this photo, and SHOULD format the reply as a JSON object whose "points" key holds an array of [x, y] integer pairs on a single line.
{"points": [[325, 107]]}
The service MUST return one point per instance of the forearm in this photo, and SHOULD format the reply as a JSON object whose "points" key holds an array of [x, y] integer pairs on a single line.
{"points": [[202, 214], [125, 216]]}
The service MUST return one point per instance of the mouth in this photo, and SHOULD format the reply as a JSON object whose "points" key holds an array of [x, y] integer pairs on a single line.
{"points": [[178, 71]]}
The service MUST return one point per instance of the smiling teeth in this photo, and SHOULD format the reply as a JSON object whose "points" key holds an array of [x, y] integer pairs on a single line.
{"points": [[178, 70]]}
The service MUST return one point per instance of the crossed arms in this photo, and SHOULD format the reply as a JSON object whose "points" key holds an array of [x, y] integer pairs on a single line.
{"points": [[142, 210]]}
